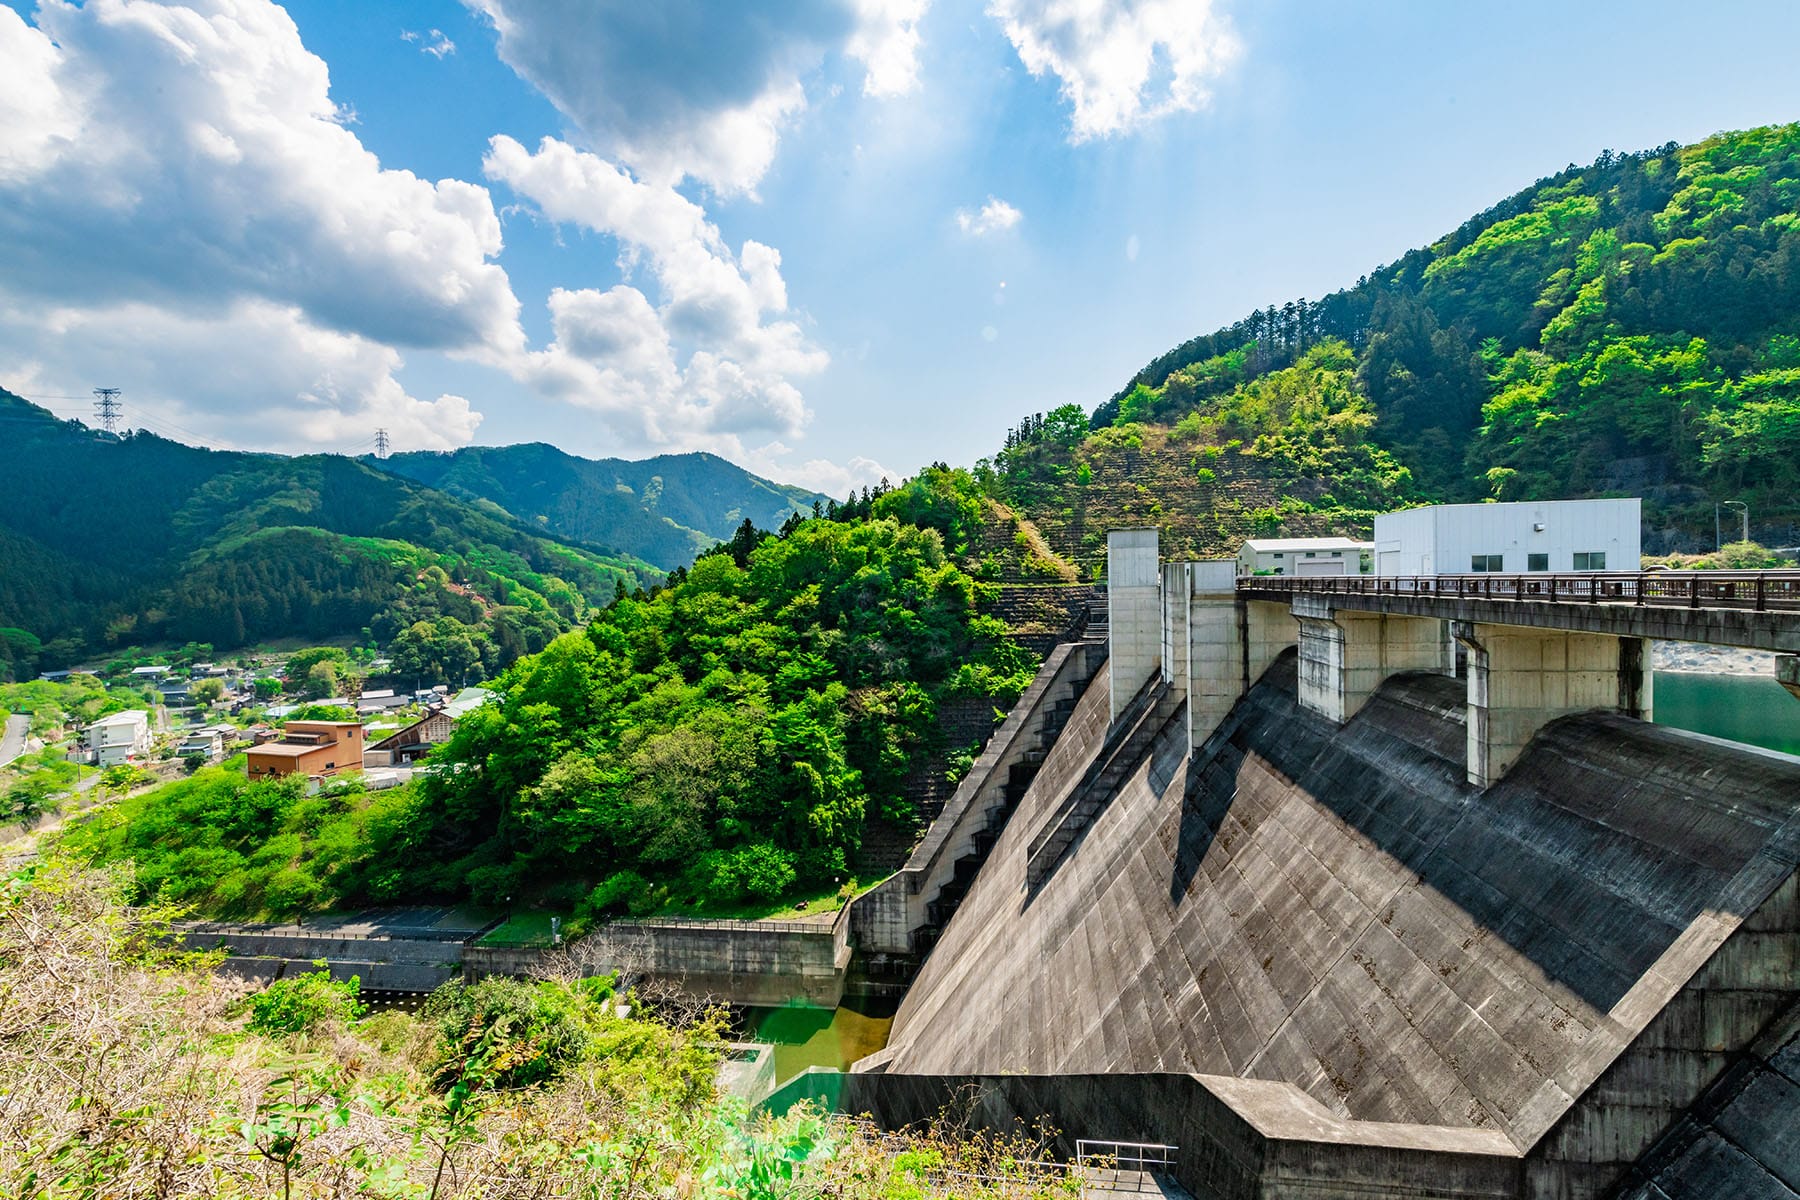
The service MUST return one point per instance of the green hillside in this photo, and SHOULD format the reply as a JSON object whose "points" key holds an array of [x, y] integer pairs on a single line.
{"points": [[108, 542], [664, 510], [1631, 327]]}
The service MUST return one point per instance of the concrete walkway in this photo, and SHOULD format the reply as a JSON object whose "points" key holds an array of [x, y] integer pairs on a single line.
{"points": [[1097, 1182]]}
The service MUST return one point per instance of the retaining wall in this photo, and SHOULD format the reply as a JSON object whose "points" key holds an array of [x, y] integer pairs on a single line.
{"points": [[759, 963]]}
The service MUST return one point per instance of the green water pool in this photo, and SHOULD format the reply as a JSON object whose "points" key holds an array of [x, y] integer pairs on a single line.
{"points": [[805, 1036], [1753, 709]]}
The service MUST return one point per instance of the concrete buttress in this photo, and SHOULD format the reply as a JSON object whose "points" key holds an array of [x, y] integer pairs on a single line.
{"points": [[1134, 600]]}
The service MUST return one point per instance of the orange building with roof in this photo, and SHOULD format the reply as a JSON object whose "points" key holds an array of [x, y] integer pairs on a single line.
{"points": [[315, 748]]}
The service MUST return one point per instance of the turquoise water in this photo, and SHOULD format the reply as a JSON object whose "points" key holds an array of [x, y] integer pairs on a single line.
{"points": [[804, 1036], [1753, 709]]}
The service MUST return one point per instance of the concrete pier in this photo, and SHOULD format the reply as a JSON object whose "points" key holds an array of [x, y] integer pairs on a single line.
{"points": [[1346, 656], [1134, 598], [1521, 679]]}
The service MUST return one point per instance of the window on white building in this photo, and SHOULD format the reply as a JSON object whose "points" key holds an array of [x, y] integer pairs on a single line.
{"points": [[1537, 562], [1590, 560], [1487, 562]]}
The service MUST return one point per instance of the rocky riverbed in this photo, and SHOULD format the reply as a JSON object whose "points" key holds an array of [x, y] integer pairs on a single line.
{"points": [[1712, 660]]}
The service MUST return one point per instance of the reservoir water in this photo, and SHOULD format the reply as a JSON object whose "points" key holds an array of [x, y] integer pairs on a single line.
{"points": [[1752, 709]]}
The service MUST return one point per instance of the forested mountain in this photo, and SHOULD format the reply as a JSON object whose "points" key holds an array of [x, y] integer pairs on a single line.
{"points": [[722, 740], [664, 510], [1631, 327], [106, 542]]}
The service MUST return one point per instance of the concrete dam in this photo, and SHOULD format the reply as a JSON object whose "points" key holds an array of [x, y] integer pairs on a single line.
{"points": [[1286, 894]]}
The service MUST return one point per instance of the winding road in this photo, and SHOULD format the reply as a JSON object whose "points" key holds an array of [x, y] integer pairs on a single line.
{"points": [[12, 741]]}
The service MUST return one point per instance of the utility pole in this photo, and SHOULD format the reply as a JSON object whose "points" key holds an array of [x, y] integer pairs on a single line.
{"points": [[106, 407], [381, 443], [1739, 504]]}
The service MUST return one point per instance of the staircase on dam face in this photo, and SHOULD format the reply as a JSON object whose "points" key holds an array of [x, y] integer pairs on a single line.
{"points": [[1019, 777], [1039, 618], [1099, 625], [1155, 704], [1019, 780]]}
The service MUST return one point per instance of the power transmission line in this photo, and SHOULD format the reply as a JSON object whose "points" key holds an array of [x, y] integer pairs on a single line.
{"points": [[107, 407], [381, 443]]}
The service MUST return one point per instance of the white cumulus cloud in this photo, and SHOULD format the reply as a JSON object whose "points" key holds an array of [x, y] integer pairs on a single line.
{"points": [[820, 474], [1120, 62], [267, 378], [886, 41], [699, 89], [167, 169], [996, 216], [712, 361]]}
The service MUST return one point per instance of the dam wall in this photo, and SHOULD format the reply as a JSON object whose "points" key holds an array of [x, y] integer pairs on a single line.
{"points": [[382, 964], [1334, 930]]}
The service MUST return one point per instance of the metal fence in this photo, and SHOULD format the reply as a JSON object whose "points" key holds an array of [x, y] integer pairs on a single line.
{"points": [[1124, 1156], [1753, 591]]}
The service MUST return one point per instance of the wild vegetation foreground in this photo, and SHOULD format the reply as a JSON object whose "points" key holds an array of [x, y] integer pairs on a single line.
{"points": [[127, 1069]]}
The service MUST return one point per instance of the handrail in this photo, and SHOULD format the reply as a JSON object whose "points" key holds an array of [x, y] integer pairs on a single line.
{"points": [[626, 925], [1752, 591], [1141, 1155]]}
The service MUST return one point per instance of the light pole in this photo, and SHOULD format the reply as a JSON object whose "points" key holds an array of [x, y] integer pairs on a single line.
{"points": [[1739, 504]]}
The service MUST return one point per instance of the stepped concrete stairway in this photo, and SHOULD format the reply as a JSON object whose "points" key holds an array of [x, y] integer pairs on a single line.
{"points": [[897, 923], [1018, 781], [1095, 629], [1049, 615]]}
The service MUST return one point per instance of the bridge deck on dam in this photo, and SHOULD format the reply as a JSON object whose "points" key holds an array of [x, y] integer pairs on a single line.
{"points": [[1336, 908]]}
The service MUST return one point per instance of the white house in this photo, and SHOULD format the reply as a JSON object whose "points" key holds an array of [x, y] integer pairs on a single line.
{"points": [[209, 741], [1520, 537], [112, 740], [1304, 556]]}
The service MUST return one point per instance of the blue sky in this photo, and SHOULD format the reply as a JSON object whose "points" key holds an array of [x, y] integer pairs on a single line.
{"points": [[829, 239]]}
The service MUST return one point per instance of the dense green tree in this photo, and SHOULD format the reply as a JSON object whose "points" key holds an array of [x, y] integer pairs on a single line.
{"points": [[727, 737]]}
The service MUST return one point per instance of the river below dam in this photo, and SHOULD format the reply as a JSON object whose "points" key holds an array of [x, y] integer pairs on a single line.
{"points": [[805, 1036], [1753, 709]]}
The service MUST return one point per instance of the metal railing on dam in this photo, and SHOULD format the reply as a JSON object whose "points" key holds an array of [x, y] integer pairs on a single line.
{"points": [[1749, 591]]}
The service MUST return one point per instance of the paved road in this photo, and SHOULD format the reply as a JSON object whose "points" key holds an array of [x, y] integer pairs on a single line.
{"points": [[12, 741]]}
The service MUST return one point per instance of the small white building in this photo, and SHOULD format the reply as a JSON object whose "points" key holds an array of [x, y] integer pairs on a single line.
{"points": [[1516, 538], [1305, 556], [209, 741], [124, 735]]}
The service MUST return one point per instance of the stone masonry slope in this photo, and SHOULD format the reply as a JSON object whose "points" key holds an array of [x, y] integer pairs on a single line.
{"points": [[1336, 908]]}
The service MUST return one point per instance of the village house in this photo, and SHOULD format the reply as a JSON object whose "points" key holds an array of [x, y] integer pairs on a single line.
{"points": [[405, 746], [119, 738], [314, 748], [209, 741]]}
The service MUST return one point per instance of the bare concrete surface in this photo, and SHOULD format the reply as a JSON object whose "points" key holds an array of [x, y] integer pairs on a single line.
{"points": [[1098, 1181], [387, 949], [1365, 967]]}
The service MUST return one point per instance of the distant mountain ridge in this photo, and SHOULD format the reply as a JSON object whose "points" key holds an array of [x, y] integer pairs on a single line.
{"points": [[664, 509], [108, 542]]}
